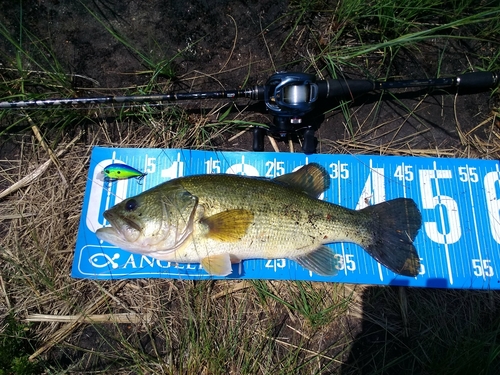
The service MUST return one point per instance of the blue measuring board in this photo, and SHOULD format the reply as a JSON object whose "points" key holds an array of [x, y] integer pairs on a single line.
{"points": [[459, 242]]}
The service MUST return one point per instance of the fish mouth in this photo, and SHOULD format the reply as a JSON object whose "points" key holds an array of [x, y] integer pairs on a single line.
{"points": [[109, 234], [122, 229]]}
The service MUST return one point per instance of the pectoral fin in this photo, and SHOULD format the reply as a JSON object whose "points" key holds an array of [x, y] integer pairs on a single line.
{"points": [[321, 261], [219, 265], [228, 226]]}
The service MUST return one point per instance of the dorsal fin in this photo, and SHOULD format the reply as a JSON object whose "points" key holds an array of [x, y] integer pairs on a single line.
{"points": [[312, 179]]}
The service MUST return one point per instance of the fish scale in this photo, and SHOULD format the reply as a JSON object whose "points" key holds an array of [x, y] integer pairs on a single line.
{"points": [[269, 202]]}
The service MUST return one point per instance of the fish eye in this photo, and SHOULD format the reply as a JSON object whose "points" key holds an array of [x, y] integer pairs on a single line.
{"points": [[131, 205]]}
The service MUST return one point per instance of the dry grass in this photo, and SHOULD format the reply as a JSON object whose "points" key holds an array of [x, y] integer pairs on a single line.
{"points": [[168, 324]]}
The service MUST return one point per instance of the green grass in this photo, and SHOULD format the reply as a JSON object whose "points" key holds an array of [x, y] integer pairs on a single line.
{"points": [[358, 29], [15, 348], [213, 327], [34, 72]]}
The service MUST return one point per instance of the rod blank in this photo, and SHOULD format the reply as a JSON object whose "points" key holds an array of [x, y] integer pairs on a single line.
{"points": [[326, 89]]}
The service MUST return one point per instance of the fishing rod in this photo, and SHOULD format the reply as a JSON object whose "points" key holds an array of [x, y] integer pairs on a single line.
{"points": [[289, 96]]}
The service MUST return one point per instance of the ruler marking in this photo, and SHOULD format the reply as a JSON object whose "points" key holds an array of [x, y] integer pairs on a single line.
{"points": [[474, 219], [372, 185], [340, 200], [441, 213]]}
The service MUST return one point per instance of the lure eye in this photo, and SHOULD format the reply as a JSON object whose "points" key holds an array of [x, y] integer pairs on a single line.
{"points": [[131, 205]]}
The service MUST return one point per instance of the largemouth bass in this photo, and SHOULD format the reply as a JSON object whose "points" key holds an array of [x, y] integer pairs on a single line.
{"points": [[217, 220]]}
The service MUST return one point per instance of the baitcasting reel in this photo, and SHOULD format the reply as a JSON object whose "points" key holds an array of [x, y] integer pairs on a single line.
{"points": [[291, 96]]}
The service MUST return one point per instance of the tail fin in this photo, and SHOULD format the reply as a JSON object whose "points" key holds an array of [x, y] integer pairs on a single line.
{"points": [[395, 226]]}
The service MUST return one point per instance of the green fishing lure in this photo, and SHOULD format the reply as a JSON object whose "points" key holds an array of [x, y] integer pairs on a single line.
{"points": [[118, 171]]}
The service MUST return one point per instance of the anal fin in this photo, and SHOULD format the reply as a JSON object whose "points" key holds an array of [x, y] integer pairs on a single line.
{"points": [[218, 265], [321, 261]]}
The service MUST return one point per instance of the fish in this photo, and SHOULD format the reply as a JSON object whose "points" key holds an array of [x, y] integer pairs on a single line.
{"points": [[220, 219], [119, 171]]}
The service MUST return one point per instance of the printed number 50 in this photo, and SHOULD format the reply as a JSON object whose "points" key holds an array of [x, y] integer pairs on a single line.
{"points": [[446, 229]]}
